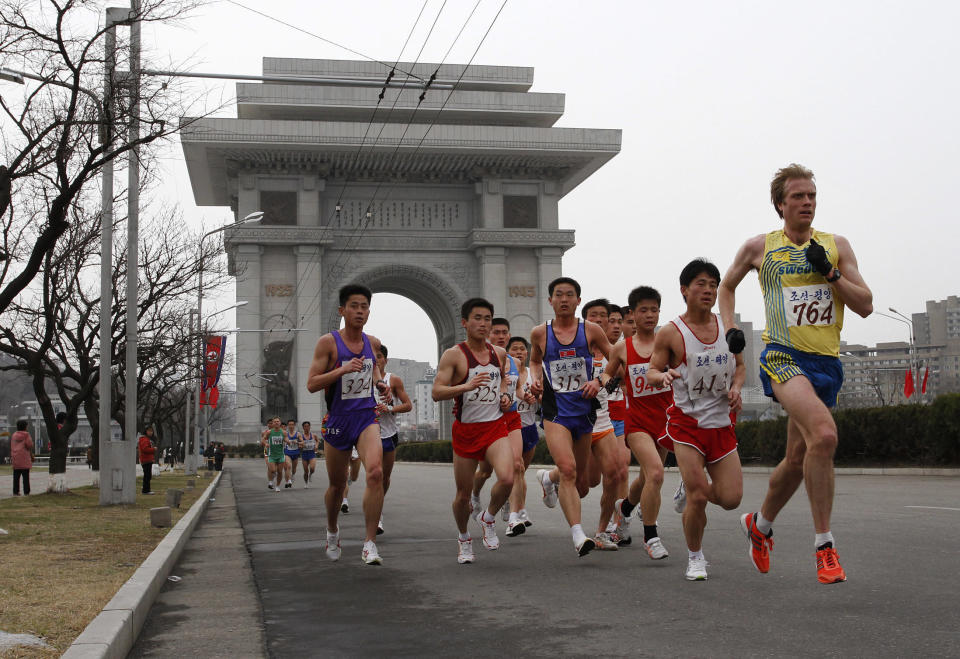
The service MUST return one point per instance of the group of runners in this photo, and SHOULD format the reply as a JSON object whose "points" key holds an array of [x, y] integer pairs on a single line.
{"points": [[608, 385]]}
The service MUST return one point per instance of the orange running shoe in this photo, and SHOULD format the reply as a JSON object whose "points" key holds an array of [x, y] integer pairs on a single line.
{"points": [[828, 566], [760, 544]]}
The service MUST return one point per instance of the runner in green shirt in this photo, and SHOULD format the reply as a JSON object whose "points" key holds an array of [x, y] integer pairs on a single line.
{"points": [[272, 441]]}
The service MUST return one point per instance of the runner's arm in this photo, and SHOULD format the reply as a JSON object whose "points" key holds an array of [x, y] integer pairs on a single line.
{"points": [[851, 287], [504, 371], [615, 361], [748, 258], [536, 360], [446, 369], [734, 396], [400, 393], [664, 353], [324, 355]]}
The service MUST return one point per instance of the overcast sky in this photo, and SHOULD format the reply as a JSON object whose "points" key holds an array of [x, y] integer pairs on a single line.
{"points": [[712, 98]]}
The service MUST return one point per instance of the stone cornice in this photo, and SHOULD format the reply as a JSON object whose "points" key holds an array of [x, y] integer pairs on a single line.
{"points": [[562, 239], [279, 235]]}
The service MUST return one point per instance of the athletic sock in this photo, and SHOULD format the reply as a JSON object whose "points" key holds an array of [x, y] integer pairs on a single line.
{"points": [[475, 501], [522, 512], [463, 536], [611, 526], [514, 518], [650, 532], [578, 535], [764, 525], [485, 515], [695, 555], [824, 539], [626, 508]]}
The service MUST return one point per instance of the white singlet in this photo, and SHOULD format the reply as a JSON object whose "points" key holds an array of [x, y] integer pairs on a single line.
{"points": [[706, 374], [603, 422], [388, 420], [527, 411]]}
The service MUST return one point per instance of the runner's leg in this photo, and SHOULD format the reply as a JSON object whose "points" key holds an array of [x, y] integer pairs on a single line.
{"points": [[337, 467], [370, 449]]}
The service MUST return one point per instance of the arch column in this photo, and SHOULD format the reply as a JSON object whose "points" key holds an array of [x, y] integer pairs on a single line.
{"points": [[548, 269], [310, 407], [249, 348]]}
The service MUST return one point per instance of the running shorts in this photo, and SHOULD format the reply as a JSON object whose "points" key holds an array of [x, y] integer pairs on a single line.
{"points": [[714, 444], [649, 420], [307, 456], [578, 426], [343, 430], [512, 419], [293, 455], [597, 436], [530, 437], [471, 440], [389, 443], [779, 363], [618, 426]]}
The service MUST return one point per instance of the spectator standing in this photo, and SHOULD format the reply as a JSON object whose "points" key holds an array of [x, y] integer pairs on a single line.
{"points": [[21, 457], [208, 454], [218, 454], [148, 453]]}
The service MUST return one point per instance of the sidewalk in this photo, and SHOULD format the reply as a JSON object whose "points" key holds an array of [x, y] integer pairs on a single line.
{"points": [[77, 476], [214, 611]]}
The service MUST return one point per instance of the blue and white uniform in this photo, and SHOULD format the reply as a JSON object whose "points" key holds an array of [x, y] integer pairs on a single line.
{"points": [[567, 367]]}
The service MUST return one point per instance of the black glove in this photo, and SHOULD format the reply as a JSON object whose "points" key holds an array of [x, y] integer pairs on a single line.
{"points": [[612, 384], [736, 341], [817, 257]]}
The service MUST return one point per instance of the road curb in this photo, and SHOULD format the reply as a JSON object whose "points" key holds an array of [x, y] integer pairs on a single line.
{"points": [[113, 632]]}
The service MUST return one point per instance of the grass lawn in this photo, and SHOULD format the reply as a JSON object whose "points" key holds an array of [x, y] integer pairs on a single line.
{"points": [[66, 556], [6, 470]]}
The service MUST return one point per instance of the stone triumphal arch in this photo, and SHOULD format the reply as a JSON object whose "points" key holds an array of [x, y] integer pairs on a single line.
{"points": [[437, 206]]}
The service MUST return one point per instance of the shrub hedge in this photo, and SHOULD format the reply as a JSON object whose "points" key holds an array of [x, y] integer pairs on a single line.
{"points": [[903, 435]]}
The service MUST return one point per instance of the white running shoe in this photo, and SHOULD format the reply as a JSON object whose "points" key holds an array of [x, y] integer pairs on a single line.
{"points": [[550, 495], [680, 498], [524, 517], [515, 528], [622, 529], [276, 488], [697, 569], [380, 526], [656, 549], [604, 543], [345, 506], [465, 554], [490, 539], [333, 546], [505, 512], [586, 546], [370, 555], [306, 485]]}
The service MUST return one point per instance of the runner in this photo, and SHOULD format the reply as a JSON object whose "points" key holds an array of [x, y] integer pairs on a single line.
{"points": [[617, 405], [807, 277], [691, 355], [646, 419], [272, 440], [387, 416], [527, 408], [308, 453], [479, 432], [291, 452], [564, 349], [345, 366], [500, 336], [266, 456], [353, 473]]}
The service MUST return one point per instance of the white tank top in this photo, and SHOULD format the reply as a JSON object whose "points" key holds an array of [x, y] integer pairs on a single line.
{"points": [[527, 411], [603, 421], [482, 404], [706, 375], [388, 420]]}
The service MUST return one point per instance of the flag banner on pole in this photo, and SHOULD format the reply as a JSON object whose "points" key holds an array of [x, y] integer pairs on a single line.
{"points": [[908, 384], [923, 387], [212, 365]]}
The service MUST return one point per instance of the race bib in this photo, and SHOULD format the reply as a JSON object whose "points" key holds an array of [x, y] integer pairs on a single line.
{"points": [[638, 381], [522, 405], [357, 384], [808, 305], [486, 393], [708, 374], [567, 375]]}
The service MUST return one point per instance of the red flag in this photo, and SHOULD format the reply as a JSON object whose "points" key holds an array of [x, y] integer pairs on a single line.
{"points": [[212, 364], [908, 384], [923, 387]]}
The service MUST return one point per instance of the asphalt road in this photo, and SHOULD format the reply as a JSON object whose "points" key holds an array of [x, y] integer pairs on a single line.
{"points": [[897, 537]]}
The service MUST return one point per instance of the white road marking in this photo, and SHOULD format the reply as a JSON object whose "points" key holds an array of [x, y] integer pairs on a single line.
{"points": [[933, 508]]}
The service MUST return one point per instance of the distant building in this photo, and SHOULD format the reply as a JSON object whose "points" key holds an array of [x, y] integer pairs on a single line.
{"points": [[426, 410]]}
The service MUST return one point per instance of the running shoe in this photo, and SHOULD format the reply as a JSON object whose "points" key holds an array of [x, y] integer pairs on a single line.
{"points": [[345, 506], [515, 528], [276, 488], [333, 546], [586, 546], [370, 555], [306, 485], [604, 543], [622, 530], [465, 553], [490, 539], [505, 512], [828, 565], [550, 495], [524, 517], [655, 549], [269, 486], [380, 526], [697, 569], [760, 544], [680, 498], [288, 485]]}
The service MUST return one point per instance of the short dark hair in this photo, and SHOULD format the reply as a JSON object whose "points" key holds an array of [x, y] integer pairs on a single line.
{"points": [[354, 289], [625, 310], [641, 293], [501, 321], [472, 304], [697, 267], [614, 308], [518, 339], [383, 350], [306, 423], [563, 280], [599, 302], [293, 421], [21, 424], [61, 417]]}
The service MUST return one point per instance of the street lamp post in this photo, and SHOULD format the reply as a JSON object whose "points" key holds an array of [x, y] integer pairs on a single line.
{"points": [[192, 464], [912, 352]]}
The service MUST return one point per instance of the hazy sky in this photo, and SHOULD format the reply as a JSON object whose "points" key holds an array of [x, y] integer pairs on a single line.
{"points": [[712, 98]]}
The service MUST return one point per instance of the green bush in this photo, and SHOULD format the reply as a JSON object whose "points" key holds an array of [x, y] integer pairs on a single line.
{"points": [[923, 435]]}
